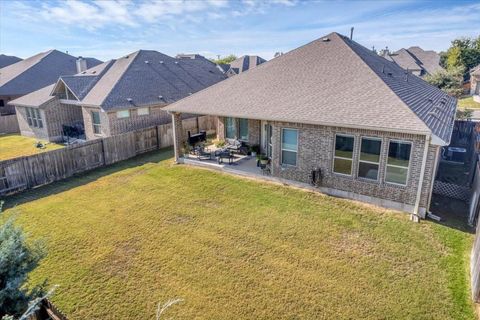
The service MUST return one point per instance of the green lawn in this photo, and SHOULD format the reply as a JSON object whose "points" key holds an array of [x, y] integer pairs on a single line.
{"points": [[14, 145], [468, 103], [123, 238]]}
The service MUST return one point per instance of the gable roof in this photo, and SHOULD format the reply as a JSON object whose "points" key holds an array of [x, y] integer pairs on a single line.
{"points": [[149, 77], [415, 59], [7, 60], [35, 99], [245, 63], [38, 71], [331, 81]]}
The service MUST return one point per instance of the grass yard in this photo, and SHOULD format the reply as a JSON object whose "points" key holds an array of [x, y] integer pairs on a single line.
{"points": [[468, 103], [14, 145], [123, 238]]}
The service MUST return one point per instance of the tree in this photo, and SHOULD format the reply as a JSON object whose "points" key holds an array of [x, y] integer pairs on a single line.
{"points": [[464, 53], [226, 60], [450, 81], [17, 259]]}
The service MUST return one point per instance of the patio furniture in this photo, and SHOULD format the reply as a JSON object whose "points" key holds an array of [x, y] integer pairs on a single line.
{"points": [[224, 154], [202, 153], [265, 168], [196, 138], [236, 146]]}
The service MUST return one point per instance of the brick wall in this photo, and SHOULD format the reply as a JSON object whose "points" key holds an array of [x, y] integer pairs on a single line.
{"points": [[30, 131], [157, 116], [87, 122], [254, 131], [316, 149]]}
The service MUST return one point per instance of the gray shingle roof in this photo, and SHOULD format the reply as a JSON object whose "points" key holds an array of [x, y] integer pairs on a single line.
{"points": [[334, 82], [151, 78], [34, 99], [245, 63], [416, 59], [38, 71], [8, 60]]}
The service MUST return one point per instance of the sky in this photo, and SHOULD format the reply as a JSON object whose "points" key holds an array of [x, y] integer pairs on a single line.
{"points": [[108, 29]]}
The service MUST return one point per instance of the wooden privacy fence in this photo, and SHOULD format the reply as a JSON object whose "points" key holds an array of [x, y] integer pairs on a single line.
{"points": [[29, 172], [9, 124], [475, 266]]}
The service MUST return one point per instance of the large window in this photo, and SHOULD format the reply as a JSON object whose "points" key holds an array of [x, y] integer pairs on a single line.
{"points": [[123, 114], [243, 129], [97, 126], [398, 162], [343, 158], [230, 132], [34, 117], [289, 146], [143, 111], [369, 161]]}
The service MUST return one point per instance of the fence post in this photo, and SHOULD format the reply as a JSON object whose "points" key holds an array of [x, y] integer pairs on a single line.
{"points": [[103, 153], [157, 137]]}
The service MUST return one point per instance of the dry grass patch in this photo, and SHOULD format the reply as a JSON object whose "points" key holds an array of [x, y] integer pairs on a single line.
{"points": [[123, 238]]}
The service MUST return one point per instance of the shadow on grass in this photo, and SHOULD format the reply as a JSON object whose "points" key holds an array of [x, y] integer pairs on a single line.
{"points": [[454, 213], [86, 177]]}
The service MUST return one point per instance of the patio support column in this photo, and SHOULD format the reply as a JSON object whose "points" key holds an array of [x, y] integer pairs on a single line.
{"points": [[177, 135], [415, 216]]}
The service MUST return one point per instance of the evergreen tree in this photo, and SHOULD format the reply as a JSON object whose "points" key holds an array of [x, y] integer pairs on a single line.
{"points": [[17, 259]]}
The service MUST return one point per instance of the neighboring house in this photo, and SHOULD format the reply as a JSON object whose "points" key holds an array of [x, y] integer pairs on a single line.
{"points": [[117, 96], [475, 83], [37, 72], [242, 64], [374, 131], [8, 60], [415, 59]]}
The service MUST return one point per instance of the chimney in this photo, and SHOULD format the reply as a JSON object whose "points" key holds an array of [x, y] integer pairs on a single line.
{"points": [[81, 64], [351, 33]]}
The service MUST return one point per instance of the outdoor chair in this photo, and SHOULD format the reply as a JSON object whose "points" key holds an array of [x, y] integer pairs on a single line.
{"points": [[224, 154], [236, 146], [203, 153], [265, 168]]}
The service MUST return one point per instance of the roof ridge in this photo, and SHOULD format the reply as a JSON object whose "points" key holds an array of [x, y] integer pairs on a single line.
{"points": [[136, 53], [344, 41]]}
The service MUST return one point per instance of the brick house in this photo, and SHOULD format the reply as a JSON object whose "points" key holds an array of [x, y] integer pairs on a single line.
{"points": [[475, 83], [415, 59], [372, 129], [119, 95], [36, 72]]}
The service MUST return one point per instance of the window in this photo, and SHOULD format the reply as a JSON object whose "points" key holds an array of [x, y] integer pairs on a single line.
{"points": [[97, 127], [343, 158], [2, 103], [123, 114], [289, 146], [243, 129], [34, 117], [143, 111], [398, 162], [230, 131], [369, 161]]}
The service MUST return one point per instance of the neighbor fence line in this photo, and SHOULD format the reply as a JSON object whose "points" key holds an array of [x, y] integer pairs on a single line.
{"points": [[29, 172], [9, 124]]}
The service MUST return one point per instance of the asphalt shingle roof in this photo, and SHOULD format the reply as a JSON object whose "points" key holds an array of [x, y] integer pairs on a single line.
{"points": [[330, 81], [245, 63], [8, 60], [416, 59], [151, 78], [38, 71]]}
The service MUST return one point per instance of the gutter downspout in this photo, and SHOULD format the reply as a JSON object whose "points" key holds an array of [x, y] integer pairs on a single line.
{"points": [[434, 174], [415, 217]]}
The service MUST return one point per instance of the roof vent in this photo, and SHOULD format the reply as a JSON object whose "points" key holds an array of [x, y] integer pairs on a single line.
{"points": [[326, 39], [160, 97], [176, 62], [129, 99], [94, 72], [389, 74], [147, 62], [189, 93], [161, 61]]}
